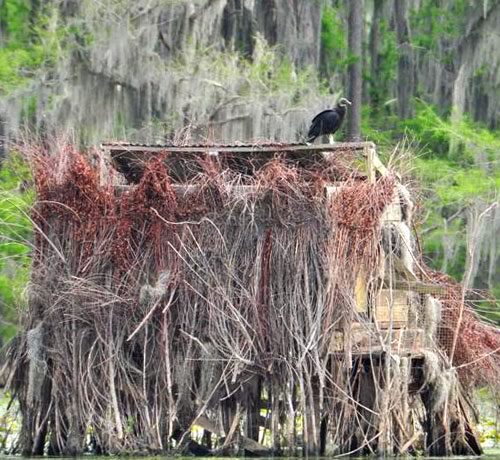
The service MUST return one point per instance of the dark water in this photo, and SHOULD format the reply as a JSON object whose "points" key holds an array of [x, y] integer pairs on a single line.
{"points": [[490, 454]]}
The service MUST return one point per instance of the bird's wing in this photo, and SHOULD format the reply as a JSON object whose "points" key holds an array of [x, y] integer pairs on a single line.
{"points": [[314, 129], [321, 113]]}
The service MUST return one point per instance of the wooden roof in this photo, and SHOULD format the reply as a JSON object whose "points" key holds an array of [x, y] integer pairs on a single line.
{"points": [[130, 158]]}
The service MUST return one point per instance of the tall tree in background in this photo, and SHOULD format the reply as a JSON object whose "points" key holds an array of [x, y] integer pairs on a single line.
{"points": [[405, 83], [376, 90], [2, 140], [355, 83]]}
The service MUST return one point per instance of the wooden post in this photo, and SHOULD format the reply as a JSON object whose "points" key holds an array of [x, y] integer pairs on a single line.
{"points": [[292, 427], [275, 411], [370, 164], [252, 408]]}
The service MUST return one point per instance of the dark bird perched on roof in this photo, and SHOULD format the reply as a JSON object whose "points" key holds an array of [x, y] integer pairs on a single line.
{"points": [[328, 121]]}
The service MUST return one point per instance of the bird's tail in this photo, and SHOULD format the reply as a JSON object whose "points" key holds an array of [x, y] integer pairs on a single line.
{"points": [[304, 134]]}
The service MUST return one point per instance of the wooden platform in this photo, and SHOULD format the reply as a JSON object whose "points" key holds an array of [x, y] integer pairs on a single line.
{"points": [[130, 159], [270, 148]]}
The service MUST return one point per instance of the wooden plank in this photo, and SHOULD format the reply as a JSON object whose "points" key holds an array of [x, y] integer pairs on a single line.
{"points": [[393, 213], [392, 305], [417, 286], [183, 164], [116, 148], [361, 292], [366, 339], [379, 166]]}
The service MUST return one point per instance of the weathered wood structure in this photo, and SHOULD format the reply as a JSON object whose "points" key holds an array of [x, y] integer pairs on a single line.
{"points": [[396, 304], [262, 298]]}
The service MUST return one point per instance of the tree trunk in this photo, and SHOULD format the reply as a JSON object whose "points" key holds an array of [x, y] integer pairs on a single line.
{"points": [[3, 22], [3, 148], [374, 48], [405, 80], [33, 16], [355, 83], [365, 60]]}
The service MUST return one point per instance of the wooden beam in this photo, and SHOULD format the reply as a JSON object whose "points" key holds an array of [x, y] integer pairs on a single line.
{"points": [[130, 159], [417, 286], [116, 148], [379, 166]]}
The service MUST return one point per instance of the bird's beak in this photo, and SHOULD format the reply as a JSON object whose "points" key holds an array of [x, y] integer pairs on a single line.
{"points": [[348, 101]]}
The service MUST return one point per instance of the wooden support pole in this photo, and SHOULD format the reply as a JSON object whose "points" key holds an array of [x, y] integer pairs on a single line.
{"points": [[252, 408], [292, 426], [275, 427], [370, 164]]}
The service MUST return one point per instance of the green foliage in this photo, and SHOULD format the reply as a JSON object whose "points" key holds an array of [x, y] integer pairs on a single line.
{"points": [[433, 20], [450, 180], [14, 54], [439, 133], [334, 54], [454, 180], [33, 39], [9, 421], [12, 61], [456, 186], [15, 14], [15, 235], [387, 66], [435, 134], [487, 401]]}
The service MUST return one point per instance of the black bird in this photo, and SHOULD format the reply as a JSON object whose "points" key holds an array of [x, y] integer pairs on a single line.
{"points": [[328, 121]]}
